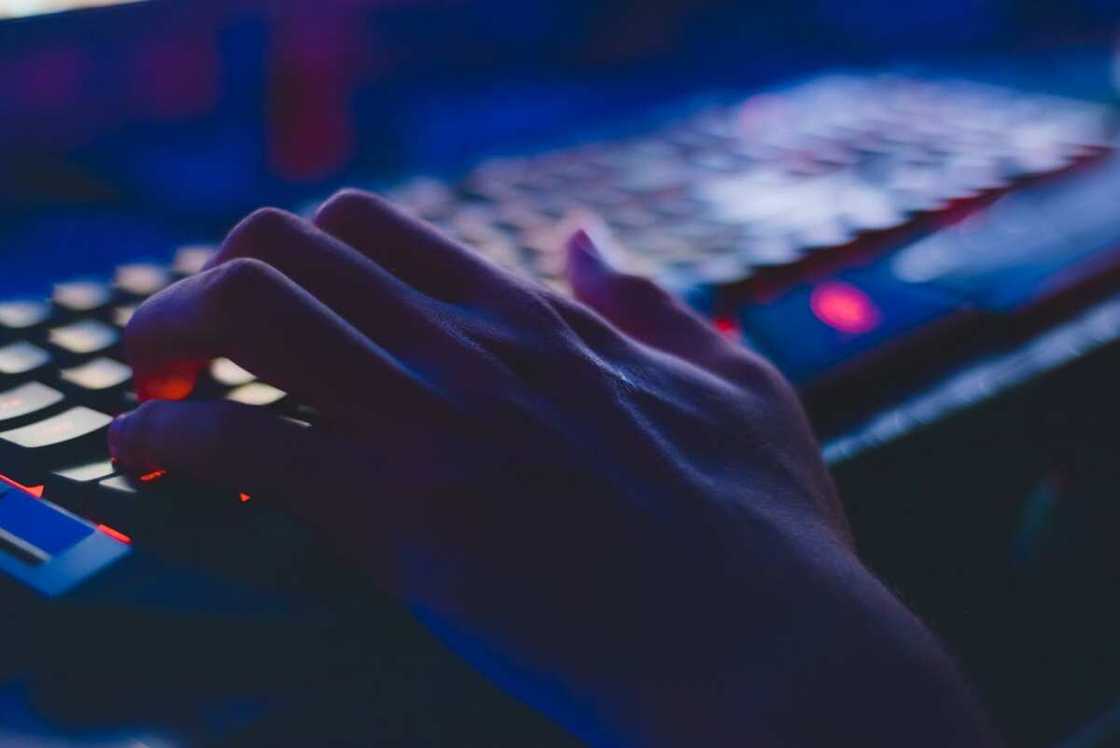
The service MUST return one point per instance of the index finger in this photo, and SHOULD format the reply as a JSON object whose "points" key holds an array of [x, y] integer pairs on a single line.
{"points": [[251, 313]]}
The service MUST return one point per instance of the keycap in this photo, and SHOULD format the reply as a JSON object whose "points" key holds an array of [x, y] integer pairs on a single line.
{"points": [[70, 487], [229, 374], [141, 279], [257, 393], [84, 338], [146, 505], [79, 297], [29, 453], [99, 374], [87, 472], [22, 359], [36, 529], [21, 316], [99, 383], [190, 260], [23, 401], [119, 502], [122, 315]]}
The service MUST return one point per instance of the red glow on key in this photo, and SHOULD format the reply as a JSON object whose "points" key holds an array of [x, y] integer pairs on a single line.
{"points": [[727, 326], [171, 387], [117, 535], [844, 307], [245, 498], [152, 476], [36, 491]]}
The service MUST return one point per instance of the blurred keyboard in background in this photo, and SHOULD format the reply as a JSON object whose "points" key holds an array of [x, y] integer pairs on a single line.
{"points": [[771, 215]]}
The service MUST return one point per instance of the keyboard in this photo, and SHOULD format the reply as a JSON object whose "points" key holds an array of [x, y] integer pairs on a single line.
{"points": [[776, 215], [861, 231], [881, 238]]}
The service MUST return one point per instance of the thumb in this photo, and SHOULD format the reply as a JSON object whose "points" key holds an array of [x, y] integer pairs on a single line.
{"points": [[638, 306]]}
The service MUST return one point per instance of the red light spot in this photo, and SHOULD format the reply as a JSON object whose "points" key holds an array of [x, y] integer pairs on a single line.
{"points": [[844, 307], [152, 476], [117, 535], [245, 498], [36, 491], [727, 326], [168, 388]]}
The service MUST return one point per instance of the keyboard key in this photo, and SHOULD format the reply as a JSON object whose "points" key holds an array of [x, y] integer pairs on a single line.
{"points": [[257, 393], [27, 399], [88, 472], [80, 297], [142, 279], [84, 338], [98, 375], [225, 372], [119, 484], [22, 316], [190, 260], [37, 526], [146, 505], [70, 487], [122, 315], [22, 359], [29, 453]]}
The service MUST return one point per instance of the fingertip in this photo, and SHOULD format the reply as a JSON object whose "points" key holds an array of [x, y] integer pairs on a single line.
{"points": [[172, 382], [586, 263], [118, 439], [127, 450]]}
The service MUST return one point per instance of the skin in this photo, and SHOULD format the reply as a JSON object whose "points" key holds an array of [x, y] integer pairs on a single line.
{"points": [[606, 506]]}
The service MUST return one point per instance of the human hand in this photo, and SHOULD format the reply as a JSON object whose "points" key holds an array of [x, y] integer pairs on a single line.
{"points": [[617, 514]]}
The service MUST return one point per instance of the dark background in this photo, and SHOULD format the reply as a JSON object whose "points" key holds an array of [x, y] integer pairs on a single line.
{"points": [[127, 130]]}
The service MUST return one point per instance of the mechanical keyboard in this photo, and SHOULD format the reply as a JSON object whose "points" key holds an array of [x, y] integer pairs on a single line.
{"points": [[871, 234]]}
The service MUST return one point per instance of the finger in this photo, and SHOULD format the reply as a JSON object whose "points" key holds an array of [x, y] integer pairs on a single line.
{"points": [[225, 444], [248, 311], [639, 307], [412, 250], [358, 289], [320, 477]]}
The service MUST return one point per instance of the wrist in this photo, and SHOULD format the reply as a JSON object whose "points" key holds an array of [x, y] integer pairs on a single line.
{"points": [[853, 666]]}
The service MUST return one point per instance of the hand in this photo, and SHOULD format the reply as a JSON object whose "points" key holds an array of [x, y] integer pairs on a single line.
{"points": [[609, 509]]}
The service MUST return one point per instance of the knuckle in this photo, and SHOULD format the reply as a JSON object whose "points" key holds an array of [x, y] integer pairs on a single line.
{"points": [[244, 283], [344, 206], [262, 228], [242, 276]]}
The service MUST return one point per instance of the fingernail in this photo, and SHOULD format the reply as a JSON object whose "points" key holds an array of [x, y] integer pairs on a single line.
{"points": [[117, 436], [581, 242]]}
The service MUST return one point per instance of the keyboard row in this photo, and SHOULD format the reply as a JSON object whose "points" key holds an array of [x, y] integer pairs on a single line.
{"points": [[736, 194], [62, 380]]}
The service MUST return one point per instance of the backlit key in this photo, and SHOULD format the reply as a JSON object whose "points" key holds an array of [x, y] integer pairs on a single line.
{"points": [[88, 472], [190, 260], [70, 487], [22, 359], [29, 453], [98, 375], [226, 372], [25, 400], [122, 315], [73, 424], [85, 337], [141, 279], [81, 296], [23, 315], [257, 393]]}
